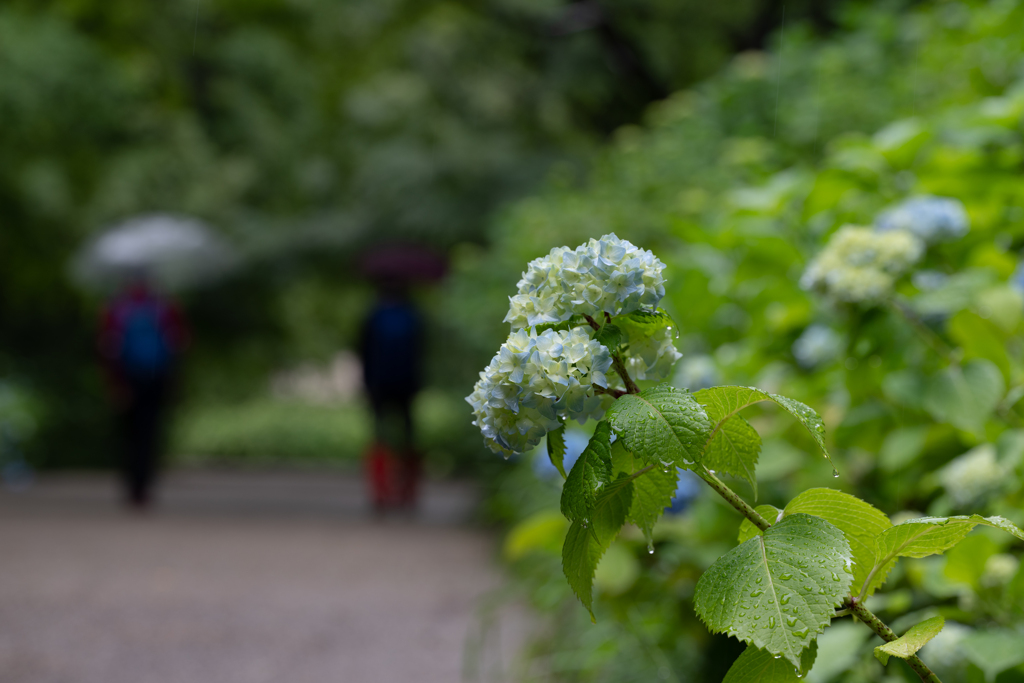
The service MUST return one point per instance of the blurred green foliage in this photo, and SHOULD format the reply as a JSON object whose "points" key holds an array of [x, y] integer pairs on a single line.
{"points": [[736, 184], [303, 131]]}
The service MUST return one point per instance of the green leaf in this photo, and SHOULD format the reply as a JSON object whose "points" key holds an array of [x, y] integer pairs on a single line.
{"points": [[591, 469], [994, 651], [610, 509], [652, 493], [556, 449], [563, 326], [980, 338], [543, 531], [747, 528], [610, 336], [859, 521], [901, 447], [724, 402], [644, 322], [925, 536], [761, 666], [910, 642], [734, 449], [662, 425], [580, 554], [779, 590], [588, 539], [965, 396], [622, 458]]}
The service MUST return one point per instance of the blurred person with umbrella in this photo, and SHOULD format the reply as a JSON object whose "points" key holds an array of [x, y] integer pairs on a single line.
{"points": [[390, 346], [143, 332]]}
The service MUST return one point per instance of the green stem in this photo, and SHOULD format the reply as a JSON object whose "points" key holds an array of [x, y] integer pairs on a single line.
{"points": [[885, 633], [620, 367], [850, 605], [732, 498]]}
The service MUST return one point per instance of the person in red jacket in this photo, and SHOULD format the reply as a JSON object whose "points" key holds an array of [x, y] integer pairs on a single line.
{"points": [[141, 340]]}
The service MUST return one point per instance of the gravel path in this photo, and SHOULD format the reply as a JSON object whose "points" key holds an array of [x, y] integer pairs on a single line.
{"points": [[245, 578]]}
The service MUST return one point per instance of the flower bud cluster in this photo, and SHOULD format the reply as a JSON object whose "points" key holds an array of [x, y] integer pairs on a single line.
{"points": [[861, 265], [932, 219], [606, 275], [535, 381]]}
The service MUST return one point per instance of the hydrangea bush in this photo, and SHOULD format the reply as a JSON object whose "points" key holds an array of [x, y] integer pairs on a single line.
{"points": [[585, 328]]}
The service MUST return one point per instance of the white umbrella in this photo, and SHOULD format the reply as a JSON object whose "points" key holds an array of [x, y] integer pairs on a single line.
{"points": [[173, 252]]}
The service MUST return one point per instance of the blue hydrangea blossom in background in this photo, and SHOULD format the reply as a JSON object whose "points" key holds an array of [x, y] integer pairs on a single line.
{"points": [[932, 219], [816, 346], [688, 488]]}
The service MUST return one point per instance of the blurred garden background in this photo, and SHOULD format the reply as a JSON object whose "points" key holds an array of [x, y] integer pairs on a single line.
{"points": [[732, 139]]}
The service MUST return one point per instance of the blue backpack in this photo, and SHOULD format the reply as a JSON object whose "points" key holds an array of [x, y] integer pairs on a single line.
{"points": [[145, 349]]}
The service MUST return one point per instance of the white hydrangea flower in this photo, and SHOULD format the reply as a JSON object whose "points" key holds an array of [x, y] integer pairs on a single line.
{"points": [[604, 275], [536, 380], [651, 357], [932, 219], [861, 265]]}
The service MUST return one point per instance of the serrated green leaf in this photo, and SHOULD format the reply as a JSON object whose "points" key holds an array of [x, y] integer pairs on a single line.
{"points": [[747, 528], [779, 590], [910, 642], [610, 509], [965, 396], [622, 458], [591, 469], [860, 522], [652, 493], [610, 336], [760, 666], [580, 554], [652, 490], [556, 449], [925, 536], [734, 449], [589, 537], [723, 402], [994, 651], [662, 425]]}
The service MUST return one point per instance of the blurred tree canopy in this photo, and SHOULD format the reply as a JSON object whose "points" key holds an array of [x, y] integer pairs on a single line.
{"points": [[303, 130]]}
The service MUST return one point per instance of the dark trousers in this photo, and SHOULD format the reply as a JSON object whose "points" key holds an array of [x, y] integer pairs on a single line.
{"points": [[142, 426]]}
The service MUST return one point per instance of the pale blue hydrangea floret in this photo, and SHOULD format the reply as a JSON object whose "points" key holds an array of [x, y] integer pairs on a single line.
{"points": [[604, 275], [932, 219], [817, 345], [861, 265], [535, 381]]}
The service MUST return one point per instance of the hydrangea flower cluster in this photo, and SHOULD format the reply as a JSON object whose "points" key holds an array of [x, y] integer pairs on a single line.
{"points": [[861, 265], [651, 356], [932, 219], [607, 275], [533, 382]]}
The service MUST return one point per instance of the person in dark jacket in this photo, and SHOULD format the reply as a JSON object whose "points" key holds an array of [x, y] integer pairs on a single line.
{"points": [[390, 347], [141, 339]]}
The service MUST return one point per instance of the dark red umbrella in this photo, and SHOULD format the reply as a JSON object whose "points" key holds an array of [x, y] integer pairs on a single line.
{"points": [[403, 262]]}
